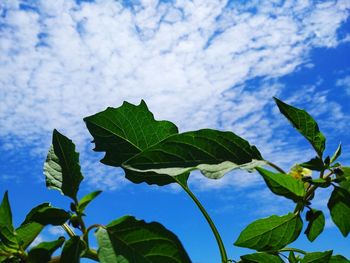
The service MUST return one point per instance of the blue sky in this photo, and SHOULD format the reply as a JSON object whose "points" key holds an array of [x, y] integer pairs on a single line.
{"points": [[199, 64]]}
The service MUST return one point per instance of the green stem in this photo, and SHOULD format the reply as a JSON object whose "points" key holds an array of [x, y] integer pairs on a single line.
{"points": [[68, 230], [276, 167], [221, 246], [288, 249], [91, 254]]}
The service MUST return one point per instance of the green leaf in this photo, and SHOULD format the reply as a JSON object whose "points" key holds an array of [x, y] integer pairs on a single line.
{"points": [[339, 207], [316, 224], [315, 164], [320, 182], [283, 184], [130, 240], [42, 253], [26, 233], [7, 233], [87, 199], [339, 259], [317, 257], [261, 258], [336, 154], [292, 258], [62, 168], [45, 214], [213, 152], [72, 250], [271, 233], [305, 124]]}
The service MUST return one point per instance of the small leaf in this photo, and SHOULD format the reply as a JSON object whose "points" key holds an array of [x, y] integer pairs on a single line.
{"points": [[283, 184], [336, 154], [45, 214], [261, 258], [305, 124], [317, 257], [26, 233], [62, 168], [339, 206], [315, 164], [133, 241], [292, 258], [7, 233], [316, 224], [213, 152], [72, 250], [320, 182], [87, 199], [271, 233], [42, 253], [339, 259]]}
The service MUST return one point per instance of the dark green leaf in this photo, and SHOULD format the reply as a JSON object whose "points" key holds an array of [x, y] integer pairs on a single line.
{"points": [[261, 258], [320, 182], [213, 152], [317, 257], [305, 124], [271, 233], [7, 235], [292, 258], [315, 164], [339, 206], [316, 224], [283, 184], [72, 250], [125, 131], [339, 259], [45, 214], [336, 154], [137, 241], [62, 168], [42, 253], [87, 199], [27, 233]]}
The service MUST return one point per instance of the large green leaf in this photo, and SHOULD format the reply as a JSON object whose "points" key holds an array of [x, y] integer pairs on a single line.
{"points": [[305, 124], [26, 233], [126, 131], [87, 199], [7, 235], [42, 252], [261, 258], [62, 168], [339, 259], [339, 206], [316, 224], [45, 214], [72, 250], [132, 241], [283, 184], [317, 257], [213, 152], [271, 233]]}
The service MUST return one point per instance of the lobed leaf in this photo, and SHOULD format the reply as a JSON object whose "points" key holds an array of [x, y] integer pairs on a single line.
{"points": [[213, 152], [261, 258], [62, 168], [283, 184], [339, 207], [305, 124], [271, 233], [130, 240], [316, 224], [42, 252], [317, 257]]}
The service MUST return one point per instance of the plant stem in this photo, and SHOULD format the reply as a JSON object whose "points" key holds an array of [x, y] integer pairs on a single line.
{"points": [[276, 167], [68, 230], [221, 246], [91, 254], [287, 249]]}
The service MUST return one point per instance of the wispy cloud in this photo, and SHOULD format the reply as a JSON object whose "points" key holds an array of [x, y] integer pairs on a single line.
{"points": [[344, 83], [190, 60]]}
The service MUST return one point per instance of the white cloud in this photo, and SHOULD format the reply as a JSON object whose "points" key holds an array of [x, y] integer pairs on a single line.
{"points": [[188, 59], [344, 83]]}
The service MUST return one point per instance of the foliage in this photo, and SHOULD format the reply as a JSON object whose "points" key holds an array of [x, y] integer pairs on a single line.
{"points": [[155, 152]]}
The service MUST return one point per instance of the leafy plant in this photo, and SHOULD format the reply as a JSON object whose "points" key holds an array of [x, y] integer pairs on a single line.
{"points": [[155, 152]]}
